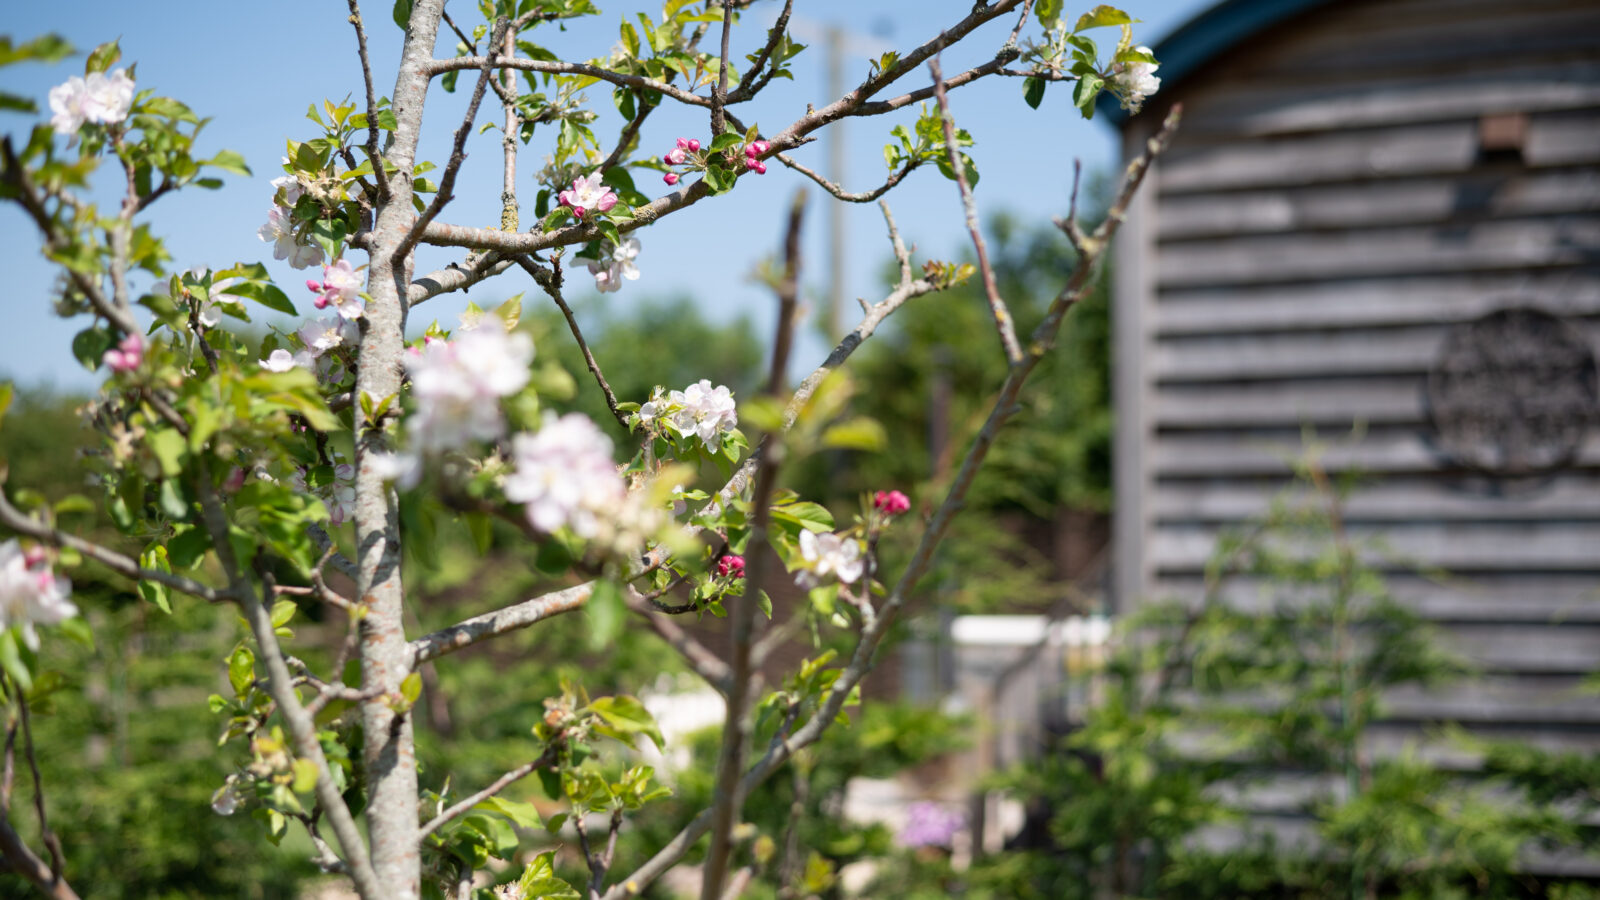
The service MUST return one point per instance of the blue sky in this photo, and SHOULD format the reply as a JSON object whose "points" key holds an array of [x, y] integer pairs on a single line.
{"points": [[255, 67]]}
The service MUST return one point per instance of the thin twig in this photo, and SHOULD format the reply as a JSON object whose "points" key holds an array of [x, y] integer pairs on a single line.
{"points": [[839, 192], [997, 306], [461, 63], [551, 282], [51, 842], [719, 91], [17, 521], [458, 149], [755, 79], [379, 174], [629, 132], [698, 657], [498, 785]]}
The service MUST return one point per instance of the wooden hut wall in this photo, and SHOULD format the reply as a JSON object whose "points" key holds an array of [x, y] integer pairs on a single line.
{"points": [[1327, 214]]}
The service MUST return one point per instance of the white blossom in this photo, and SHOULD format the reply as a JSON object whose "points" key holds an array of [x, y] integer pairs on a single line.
{"points": [[217, 295], [615, 265], [98, 98], [704, 411], [565, 476], [458, 384], [339, 495], [829, 554], [1134, 81], [588, 194], [279, 231], [279, 360], [404, 469], [30, 594], [292, 189], [322, 335], [225, 802]]}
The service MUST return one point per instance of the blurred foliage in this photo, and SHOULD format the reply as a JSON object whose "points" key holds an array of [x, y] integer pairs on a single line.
{"points": [[1207, 709]]}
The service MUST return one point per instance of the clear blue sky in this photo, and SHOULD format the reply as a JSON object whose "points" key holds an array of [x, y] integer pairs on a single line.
{"points": [[254, 67]]}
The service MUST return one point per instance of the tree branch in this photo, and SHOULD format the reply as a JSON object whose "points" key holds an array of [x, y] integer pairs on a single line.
{"points": [[498, 785], [997, 305], [455, 277], [378, 173], [841, 193], [719, 90], [755, 79], [550, 281], [440, 66]]}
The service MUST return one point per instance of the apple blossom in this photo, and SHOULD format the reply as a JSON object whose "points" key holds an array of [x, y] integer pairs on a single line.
{"points": [[457, 386], [704, 411], [292, 189], [279, 231], [565, 475], [588, 194], [97, 98], [676, 156], [829, 554], [891, 503], [279, 360], [731, 565], [1134, 81], [615, 265], [670, 178], [689, 144], [339, 495], [322, 335], [340, 287], [30, 594], [126, 356]]}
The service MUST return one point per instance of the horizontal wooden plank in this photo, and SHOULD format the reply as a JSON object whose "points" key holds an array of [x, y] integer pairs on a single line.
{"points": [[1189, 216], [1300, 834], [1358, 98], [1406, 36], [1569, 497], [1519, 598], [1488, 246], [1254, 357], [1458, 547], [1331, 402], [1496, 700], [1388, 302], [1213, 163], [1382, 452]]}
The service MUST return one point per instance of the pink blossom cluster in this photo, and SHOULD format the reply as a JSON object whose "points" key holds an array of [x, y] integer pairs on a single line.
{"points": [[891, 503], [99, 98], [340, 288], [588, 195], [730, 566], [565, 476], [30, 593], [126, 356], [753, 152], [678, 156]]}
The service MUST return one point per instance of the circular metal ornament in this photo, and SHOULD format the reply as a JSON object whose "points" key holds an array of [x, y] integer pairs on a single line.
{"points": [[1513, 393]]}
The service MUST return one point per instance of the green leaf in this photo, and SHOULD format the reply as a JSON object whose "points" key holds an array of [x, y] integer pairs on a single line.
{"points": [[16, 103], [11, 661], [727, 141], [1048, 11], [6, 392], [266, 294], [49, 48], [605, 612], [1085, 92], [539, 880], [625, 716], [1102, 16], [89, 345], [856, 434], [402, 14], [523, 815], [811, 516], [229, 161], [102, 58], [1033, 91], [169, 448], [411, 688], [282, 612], [481, 527], [155, 557], [241, 670], [305, 776]]}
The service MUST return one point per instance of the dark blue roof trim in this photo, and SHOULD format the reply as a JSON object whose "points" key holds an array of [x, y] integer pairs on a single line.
{"points": [[1208, 35]]}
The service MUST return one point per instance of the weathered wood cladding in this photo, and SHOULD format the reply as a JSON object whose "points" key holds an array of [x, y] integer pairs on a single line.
{"points": [[1325, 217]]}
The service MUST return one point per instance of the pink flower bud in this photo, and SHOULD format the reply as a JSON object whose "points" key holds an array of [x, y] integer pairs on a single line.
{"points": [[694, 146], [759, 167], [891, 503], [670, 178], [675, 156], [683, 143], [127, 356], [756, 148], [730, 565], [751, 163], [234, 481]]}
